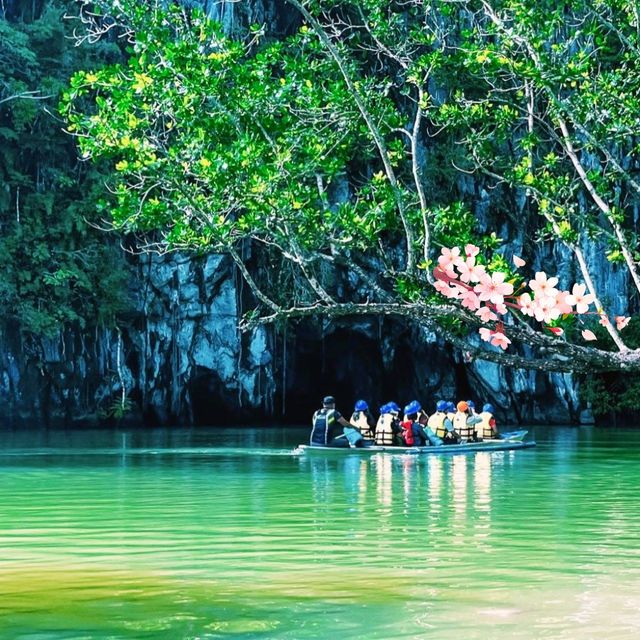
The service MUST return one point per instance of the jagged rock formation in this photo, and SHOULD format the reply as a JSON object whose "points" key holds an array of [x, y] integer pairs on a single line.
{"points": [[180, 358]]}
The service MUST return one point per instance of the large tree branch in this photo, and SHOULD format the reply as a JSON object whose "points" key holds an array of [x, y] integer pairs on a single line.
{"points": [[555, 354]]}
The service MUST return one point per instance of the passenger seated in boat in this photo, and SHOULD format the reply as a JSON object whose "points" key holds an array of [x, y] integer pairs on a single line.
{"points": [[463, 423], [451, 436], [412, 433], [387, 425], [394, 408], [330, 429], [429, 433], [436, 422], [363, 420], [486, 428]]}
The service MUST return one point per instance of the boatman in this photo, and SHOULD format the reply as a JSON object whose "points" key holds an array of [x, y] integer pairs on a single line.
{"points": [[330, 429]]}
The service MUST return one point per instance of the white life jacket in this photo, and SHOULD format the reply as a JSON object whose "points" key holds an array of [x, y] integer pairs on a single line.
{"points": [[359, 419], [436, 423], [484, 429], [461, 426], [384, 430]]}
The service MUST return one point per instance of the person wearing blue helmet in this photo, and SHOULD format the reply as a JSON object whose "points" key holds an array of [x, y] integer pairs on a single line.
{"points": [[437, 421], [387, 425], [411, 429], [363, 420], [451, 436], [487, 429]]}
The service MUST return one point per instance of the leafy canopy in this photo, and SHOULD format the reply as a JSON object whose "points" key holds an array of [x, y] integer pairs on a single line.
{"points": [[318, 152]]}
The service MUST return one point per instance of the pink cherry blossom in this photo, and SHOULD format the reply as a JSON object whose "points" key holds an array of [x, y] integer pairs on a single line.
{"points": [[493, 288], [562, 304], [501, 308], [446, 276], [477, 273], [526, 304], [466, 269], [621, 322], [447, 291], [470, 300], [518, 261], [486, 315], [449, 258], [545, 310], [588, 335], [543, 286], [471, 250], [578, 298], [604, 321], [498, 339]]}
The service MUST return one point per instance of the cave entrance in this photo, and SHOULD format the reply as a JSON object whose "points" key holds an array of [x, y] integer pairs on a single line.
{"points": [[346, 364], [216, 403]]}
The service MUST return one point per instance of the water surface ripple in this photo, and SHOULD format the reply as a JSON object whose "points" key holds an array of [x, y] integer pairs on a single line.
{"points": [[185, 535]]}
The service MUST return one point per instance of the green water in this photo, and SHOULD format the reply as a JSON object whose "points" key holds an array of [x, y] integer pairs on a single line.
{"points": [[179, 534]]}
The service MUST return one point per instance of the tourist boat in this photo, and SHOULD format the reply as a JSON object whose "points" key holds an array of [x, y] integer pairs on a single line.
{"points": [[509, 441]]}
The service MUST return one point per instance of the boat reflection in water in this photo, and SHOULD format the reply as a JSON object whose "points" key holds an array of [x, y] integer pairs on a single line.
{"points": [[445, 488]]}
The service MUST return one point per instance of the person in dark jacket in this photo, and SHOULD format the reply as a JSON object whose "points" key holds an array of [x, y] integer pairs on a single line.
{"points": [[330, 429]]}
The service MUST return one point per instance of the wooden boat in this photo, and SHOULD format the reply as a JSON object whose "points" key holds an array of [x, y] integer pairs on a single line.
{"points": [[509, 441]]}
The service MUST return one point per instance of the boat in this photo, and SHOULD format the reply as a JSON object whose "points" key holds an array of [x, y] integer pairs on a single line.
{"points": [[509, 441]]}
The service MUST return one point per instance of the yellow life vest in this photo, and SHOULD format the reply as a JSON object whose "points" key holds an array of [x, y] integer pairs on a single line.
{"points": [[461, 426], [484, 429], [384, 430], [359, 419], [436, 423]]}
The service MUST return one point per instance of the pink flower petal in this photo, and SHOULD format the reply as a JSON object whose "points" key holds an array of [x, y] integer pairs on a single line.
{"points": [[518, 261], [471, 250], [622, 322], [557, 331], [589, 335]]}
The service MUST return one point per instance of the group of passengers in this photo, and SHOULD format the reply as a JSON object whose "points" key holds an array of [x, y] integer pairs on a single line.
{"points": [[449, 424]]}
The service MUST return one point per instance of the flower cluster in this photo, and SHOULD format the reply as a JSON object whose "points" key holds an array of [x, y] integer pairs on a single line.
{"points": [[489, 295]]}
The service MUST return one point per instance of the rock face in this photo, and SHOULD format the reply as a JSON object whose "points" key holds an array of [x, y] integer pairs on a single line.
{"points": [[180, 358], [188, 358], [178, 355]]}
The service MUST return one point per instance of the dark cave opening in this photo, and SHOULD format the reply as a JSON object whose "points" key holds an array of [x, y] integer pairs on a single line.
{"points": [[346, 364]]}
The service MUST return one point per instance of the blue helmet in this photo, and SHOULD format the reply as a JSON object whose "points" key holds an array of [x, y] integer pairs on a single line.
{"points": [[413, 407], [488, 408], [361, 405], [471, 404], [441, 405], [384, 409], [393, 406], [451, 407]]}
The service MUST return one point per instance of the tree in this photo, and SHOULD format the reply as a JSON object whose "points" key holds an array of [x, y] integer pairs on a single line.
{"points": [[57, 270], [309, 155]]}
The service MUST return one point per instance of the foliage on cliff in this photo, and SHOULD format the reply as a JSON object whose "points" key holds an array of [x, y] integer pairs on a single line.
{"points": [[326, 149], [56, 270]]}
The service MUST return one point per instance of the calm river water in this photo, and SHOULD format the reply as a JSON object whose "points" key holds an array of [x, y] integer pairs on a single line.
{"points": [[181, 534]]}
